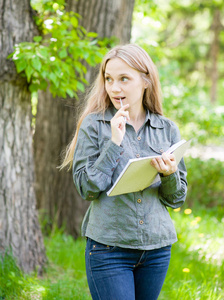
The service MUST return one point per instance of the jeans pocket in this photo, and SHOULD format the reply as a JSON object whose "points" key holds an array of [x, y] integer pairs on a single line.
{"points": [[98, 248]]}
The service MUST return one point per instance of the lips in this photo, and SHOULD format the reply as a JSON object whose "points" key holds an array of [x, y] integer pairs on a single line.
{"points": [[118, 98]]}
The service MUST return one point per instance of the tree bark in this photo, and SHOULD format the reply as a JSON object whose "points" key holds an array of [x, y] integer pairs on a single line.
{"points": [[58, 201], [19, 228], [107, 18], [214, 53], [56, 119]]}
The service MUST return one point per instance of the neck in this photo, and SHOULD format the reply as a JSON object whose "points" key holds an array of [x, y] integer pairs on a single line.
{"points": [[137, 118]]}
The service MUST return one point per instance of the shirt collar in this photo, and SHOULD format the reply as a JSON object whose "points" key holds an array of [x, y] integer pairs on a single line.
{"points": [[154, 119]]}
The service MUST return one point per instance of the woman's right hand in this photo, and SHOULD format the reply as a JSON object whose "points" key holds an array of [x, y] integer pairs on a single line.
{"points": [[118, 124]]}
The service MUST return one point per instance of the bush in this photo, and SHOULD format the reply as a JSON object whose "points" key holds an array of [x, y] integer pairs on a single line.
{"points": [[205, 183]]}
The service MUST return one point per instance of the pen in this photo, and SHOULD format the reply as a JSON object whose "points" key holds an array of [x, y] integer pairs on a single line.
{"points": [[125, 119]]}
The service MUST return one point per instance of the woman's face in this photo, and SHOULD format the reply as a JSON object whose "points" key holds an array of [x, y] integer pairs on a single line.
{"points": [[122, 81]]}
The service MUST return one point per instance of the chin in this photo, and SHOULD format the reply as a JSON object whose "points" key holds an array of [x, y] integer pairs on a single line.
{"points": [[116, 105]]}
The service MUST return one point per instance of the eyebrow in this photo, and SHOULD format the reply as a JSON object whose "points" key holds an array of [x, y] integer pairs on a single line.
{"points": [[124, 74]]}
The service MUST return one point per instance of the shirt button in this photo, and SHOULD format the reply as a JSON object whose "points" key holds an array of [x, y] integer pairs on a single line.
{"points": [[138, 138], [118, 160], [139, 200], [137, 155], [141, 222], [112, 169], [161, 150]]}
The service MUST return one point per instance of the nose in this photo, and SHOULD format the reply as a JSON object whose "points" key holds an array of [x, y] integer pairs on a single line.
{"points": [[116, 87]]}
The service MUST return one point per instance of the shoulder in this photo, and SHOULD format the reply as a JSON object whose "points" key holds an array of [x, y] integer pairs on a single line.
{"points": [[169, 123], [91, 123], [161, 121], [170, 128], [90, 120]]}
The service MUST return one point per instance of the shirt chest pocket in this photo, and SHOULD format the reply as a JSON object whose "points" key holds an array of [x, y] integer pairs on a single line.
{"points": [[159, 148]]}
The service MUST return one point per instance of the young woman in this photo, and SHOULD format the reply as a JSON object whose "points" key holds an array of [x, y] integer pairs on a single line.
{"points": [[129, 236]]}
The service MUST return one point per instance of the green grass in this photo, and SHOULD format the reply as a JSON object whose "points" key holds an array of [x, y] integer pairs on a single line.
{"points": [[196, 270], [197, 264]]}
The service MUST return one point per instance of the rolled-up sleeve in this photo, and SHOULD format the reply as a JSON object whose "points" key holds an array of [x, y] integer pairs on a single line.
{"points": [[92, 168]]}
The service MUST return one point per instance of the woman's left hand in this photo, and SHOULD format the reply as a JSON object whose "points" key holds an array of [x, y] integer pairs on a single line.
{"points": [[165, 164]]}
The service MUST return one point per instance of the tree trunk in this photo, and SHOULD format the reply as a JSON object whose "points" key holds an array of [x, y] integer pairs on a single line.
{"points": [[214, 53], [107, 18], [58, 200], [19, 227], [56, 119]]}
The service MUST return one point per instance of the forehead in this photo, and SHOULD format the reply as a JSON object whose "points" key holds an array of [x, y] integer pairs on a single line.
{"points": [[116, 66]]}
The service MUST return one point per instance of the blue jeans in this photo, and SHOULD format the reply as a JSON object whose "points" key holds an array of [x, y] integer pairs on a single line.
{"points": [[115, 273]]}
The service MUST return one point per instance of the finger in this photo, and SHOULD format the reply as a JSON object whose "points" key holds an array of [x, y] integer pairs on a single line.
{"points": [[125, 106], [119, 114], [122, 122], [170, 161], [163, 167], [118, 121], [123, 112], [168, 157], [165, 160], [155, 164], [172, 157]]}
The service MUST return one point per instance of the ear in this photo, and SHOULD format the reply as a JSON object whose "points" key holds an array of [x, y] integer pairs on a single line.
{"points": [[146, 84], [145, 81]]}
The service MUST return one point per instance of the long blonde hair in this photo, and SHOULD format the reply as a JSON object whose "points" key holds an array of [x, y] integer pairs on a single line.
{"points": [[97, 100]]}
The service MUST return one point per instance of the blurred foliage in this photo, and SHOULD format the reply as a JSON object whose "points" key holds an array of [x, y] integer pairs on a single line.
{"points": [[178, 36], [183, 32], [56, 57], [196, 117], [205, 182], [11, 277]]}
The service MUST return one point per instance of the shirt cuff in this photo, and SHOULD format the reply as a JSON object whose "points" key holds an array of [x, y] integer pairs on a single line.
{"points": [[109, 158], [171, 183]]}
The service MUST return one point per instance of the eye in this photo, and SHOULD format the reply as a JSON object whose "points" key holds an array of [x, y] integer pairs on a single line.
{"points": [[108, 79], [124, 79]]}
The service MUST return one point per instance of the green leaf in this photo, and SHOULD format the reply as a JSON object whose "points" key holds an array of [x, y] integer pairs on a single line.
{"points": [[63, 53], [29, 71], [74, 21], [70, 92], [80, 86], [43, 85], [74, 35], [92, 34], [43, 52], [21, 64], [36, 63], [54, 79], [10, 55], [37, 38], [33, 87], [44, 74]]}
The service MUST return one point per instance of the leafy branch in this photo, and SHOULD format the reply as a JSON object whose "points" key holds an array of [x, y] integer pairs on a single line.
{"points": [[55, 59]]}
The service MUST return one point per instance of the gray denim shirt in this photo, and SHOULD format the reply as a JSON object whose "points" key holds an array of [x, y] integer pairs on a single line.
{"points": [[137, 220]]}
